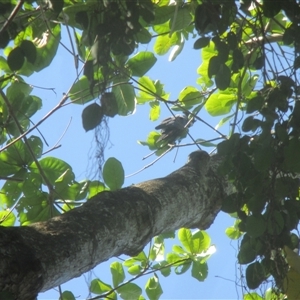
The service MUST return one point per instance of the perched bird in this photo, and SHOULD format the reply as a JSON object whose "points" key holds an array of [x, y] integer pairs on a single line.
{"points": [[173, 129]]}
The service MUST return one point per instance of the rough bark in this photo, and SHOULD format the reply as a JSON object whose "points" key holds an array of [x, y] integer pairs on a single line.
{"points": [[41, 256]]}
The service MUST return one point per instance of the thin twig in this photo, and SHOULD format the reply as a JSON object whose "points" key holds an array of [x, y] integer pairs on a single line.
{"points": [[152, 163], [12, 15]]}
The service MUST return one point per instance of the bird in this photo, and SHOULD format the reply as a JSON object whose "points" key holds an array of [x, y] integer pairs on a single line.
{"points": [[173, 129]]}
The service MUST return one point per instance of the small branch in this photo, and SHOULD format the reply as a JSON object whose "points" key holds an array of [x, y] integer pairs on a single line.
{"points": [[12, 15], [152, 163]]}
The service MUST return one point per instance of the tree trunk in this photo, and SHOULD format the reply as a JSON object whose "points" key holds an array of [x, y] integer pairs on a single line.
{"points": [[41, 256]]}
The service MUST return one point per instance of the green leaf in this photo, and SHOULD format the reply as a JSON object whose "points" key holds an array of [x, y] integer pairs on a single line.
{"points": [[113, 173], [291, 162], [117, 272], [199, 270], [4, 39], [147, 90], [181, 20], [155, 110], [201, 241], [275, 222], [32, 186], [7, 167], [223, 77], [214, 66], [163, 14], [36, 145], [176, 259], [7, 218], [246, 252], [143, 36], [52, 167], [141, 63], [151, 140], [220, 103], [190, 96], [40, 213], [230, 203], [254, 296], [129, 291], [163, 43], [47, 49], [91, 116], [178, 249], [67, 295], [29, 50], [157, 250], [153, 288], [256, 225], [95, 187], [125, 96], [233, 232], [99, 287], [15, 59], [255, 275], [182, 267], [185, 237], [161, 266], [16, 89], [134, 270], [80, 91], [201, 42]]}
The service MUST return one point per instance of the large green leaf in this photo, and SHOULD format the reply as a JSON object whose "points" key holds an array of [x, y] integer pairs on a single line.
{"points": [[141, 63], [113, 173], [125, 96], [220, 103], [129, 291], [147, 90], [99, 287], [153, 288], [117, 273], [12, 189], [255, 275], [91, 116], [52, 167], [181, 19], [163, 43], [46, 48], [80, 92], [7, 218], [67, 295], [155, 110], [194, 243], [190, 96], [199, 270], [15, 59], [256, 225]]}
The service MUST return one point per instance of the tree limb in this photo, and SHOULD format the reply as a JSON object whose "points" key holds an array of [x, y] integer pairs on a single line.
{"points": [[41, 256]]}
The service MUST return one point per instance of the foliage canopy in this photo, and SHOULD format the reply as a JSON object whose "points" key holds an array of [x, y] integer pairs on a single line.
{"points": [[248, 75]]}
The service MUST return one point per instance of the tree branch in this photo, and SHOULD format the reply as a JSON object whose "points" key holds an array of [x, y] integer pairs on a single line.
{"points": [[41, 256]]}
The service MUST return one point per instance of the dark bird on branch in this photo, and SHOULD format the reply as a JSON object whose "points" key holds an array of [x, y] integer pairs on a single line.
{"points": [[174, 128]]}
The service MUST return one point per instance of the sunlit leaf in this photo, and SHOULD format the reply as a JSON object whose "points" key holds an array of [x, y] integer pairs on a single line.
{"points": [[141, 63], [7, 218], [153, 288], [220, 103], [117, 272], [129, 291]]}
